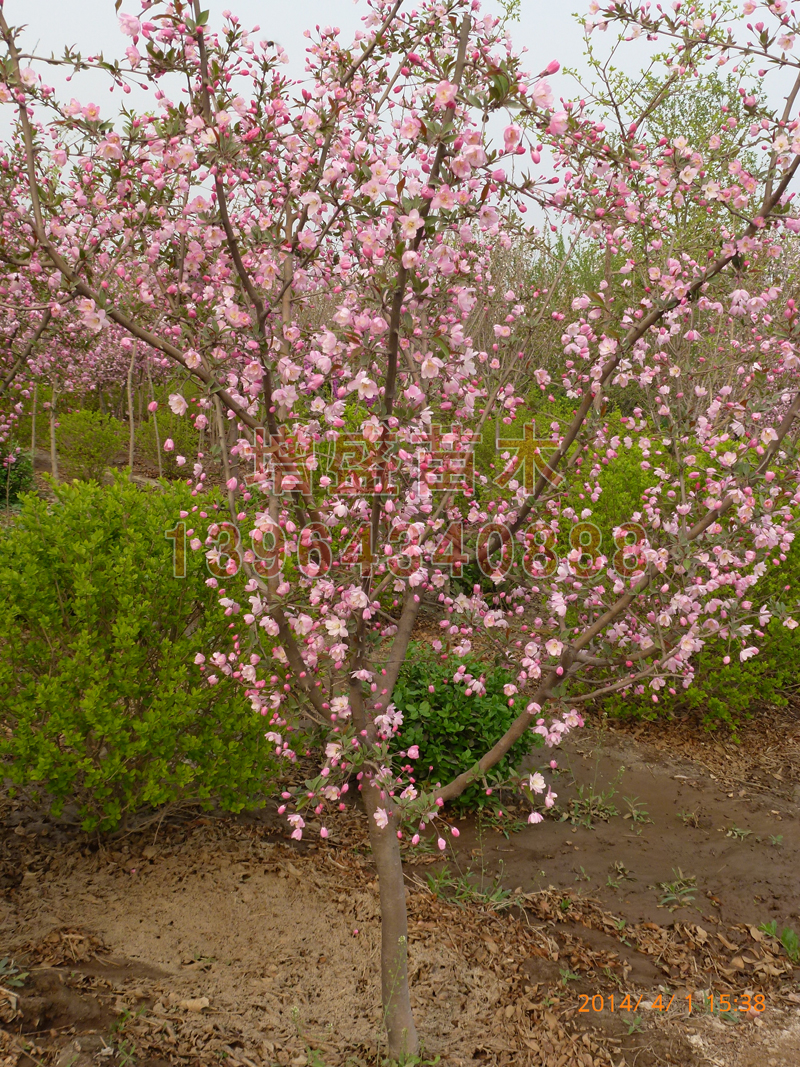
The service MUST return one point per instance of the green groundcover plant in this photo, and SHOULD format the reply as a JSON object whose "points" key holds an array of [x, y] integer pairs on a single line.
{"points": [[16, 472], [100, 701], [453, 723], [90, 442]]}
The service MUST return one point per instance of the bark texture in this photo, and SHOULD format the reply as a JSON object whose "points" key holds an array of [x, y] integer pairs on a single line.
{"points": [[400, 1028]]}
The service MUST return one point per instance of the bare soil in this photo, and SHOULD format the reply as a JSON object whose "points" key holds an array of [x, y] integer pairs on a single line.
{"points": [[638, 814], [199, 940]]}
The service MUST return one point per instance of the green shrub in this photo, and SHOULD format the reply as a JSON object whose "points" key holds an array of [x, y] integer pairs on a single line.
{"points": [[89, 442], [183, 434], [16, 471], [451, 729], [725, 694], [623, 482], [100, 700]]}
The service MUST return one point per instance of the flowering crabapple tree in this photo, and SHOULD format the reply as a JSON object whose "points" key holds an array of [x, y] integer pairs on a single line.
{"points": [[318, 258]]}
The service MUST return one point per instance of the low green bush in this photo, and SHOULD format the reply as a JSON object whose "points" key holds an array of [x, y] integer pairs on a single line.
{"points": [[89, 442], [16, 472], [451, 729], [100, 700], [726, 694], [183, 434]]}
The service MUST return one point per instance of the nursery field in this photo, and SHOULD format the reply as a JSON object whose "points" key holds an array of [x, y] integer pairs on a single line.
{"points": [[399, 499]]}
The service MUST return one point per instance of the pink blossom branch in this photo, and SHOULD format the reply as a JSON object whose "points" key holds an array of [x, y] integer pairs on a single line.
{"points": [[556, 675], [25, 353]]}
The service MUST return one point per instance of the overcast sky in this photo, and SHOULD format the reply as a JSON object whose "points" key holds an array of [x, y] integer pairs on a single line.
{"points": [[546, 28]]}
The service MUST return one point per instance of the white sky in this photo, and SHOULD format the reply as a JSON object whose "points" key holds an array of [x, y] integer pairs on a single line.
{"points": [[546, 28]]}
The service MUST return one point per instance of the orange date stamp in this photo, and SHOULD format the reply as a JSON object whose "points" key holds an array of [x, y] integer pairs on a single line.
{"points": [[749, 1003]]}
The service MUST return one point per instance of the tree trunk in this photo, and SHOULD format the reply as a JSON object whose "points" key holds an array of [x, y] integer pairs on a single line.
{"points": [[397, 1015], [53, 450], [155, 424], [33, 422], [232, 437], [223, 445], [131, 421]]}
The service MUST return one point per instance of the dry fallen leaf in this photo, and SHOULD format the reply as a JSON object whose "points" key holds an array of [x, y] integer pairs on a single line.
{"points": [[194, 1004], [8, 1005]]}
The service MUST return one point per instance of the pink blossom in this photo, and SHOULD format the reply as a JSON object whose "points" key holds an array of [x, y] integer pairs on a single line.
{"points": [[511, 137], [110, 148], [409, 224], [430, 366], [536, 783], [559, 122], [129, 25], [93, 318], [445, 94], [542, 95]]}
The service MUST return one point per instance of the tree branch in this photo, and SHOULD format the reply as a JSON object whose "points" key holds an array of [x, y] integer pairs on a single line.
{"points": [[29, 347], [544, 692]]}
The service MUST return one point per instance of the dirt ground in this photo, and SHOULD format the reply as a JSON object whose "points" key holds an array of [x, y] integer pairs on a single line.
{"points": [[578, 943], [638, 814]]}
